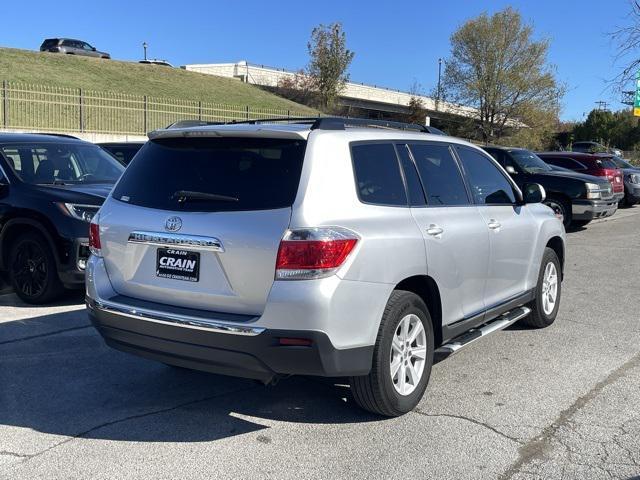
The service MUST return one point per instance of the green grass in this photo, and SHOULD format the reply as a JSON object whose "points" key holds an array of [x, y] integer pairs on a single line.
{"points": [[59, 70]]}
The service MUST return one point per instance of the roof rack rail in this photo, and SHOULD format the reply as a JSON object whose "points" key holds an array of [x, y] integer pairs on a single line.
{"points": [[192, 123], [340, 123]]}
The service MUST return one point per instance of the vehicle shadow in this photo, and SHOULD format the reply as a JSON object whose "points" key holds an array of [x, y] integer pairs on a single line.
{"points": [[68, 382], [68, 298]]}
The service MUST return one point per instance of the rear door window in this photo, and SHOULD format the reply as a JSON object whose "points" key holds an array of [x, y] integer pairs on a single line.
{"points": [[377, 172], [217, 174], [440, 175], [488, 185]]}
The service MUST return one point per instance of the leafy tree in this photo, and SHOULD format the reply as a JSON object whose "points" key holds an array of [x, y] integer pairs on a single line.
{"points": [[329, 60], [613, 129], [496, 67], [417, 112]]}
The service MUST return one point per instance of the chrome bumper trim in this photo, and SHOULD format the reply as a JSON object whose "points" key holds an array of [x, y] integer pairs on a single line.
{"points": [[160, 239], [175, 320]]}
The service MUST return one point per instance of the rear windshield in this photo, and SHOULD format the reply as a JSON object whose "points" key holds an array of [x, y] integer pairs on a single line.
{"points": [[214, 174], [606, 163], [49, 42]]}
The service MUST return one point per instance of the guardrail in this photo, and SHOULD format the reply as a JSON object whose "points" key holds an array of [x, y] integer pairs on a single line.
{"points": [[63, 109]]}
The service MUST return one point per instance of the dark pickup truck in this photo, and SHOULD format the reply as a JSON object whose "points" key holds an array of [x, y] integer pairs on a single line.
{"points": [[575, 197]]}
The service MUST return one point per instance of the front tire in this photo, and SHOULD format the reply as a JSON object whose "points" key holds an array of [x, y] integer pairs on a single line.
{"points": [[544, 308], [402, 358], [32, 270], [561, 208]]}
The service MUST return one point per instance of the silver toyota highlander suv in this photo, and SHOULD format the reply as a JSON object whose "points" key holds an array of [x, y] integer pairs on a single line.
{"points": [[331, 247]]}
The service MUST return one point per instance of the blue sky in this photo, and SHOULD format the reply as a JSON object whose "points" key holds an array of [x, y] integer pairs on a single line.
{"points": [[396, 43]]}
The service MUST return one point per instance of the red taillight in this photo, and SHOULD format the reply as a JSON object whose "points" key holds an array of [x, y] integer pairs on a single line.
{"points": [[313, 253], [94, 239]]}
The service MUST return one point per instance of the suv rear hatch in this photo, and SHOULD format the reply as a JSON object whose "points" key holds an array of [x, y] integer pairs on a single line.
{"points": [[608, 169], [196, 221]]}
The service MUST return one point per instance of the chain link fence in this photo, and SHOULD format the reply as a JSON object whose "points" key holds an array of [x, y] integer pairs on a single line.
{"points": [[62, 109]]}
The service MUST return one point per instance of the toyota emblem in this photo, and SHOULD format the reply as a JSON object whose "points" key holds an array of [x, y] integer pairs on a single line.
{"points": [[173, 224]]}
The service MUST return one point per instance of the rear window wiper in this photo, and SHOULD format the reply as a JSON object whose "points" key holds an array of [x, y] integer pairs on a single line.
{"points": [[186, 195]]}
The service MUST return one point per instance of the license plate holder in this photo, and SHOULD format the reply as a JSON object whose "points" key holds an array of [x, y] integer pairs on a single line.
{"points": [[178, 264]]}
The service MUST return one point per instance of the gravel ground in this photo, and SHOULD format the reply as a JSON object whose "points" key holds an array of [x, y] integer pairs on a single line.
{"points": [[521, 404]]}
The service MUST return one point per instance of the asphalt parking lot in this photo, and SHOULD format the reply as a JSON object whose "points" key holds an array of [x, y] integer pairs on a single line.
{"points": [[556, 403]]}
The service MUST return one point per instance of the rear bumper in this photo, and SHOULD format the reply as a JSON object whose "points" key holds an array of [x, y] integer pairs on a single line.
{"points": [[592, 209], [619, 195], [633, 192], [240, 350]]}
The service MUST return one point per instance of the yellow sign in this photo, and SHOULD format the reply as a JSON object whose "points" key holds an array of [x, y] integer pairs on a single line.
{"points": [[636, 111]]}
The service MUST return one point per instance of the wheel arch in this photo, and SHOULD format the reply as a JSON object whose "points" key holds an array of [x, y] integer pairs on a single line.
{"points": [[18, 226], [557, 245], [427, 289]]}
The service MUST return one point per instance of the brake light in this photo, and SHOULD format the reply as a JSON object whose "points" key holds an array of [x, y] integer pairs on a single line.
{"points": [[94, 239], [313, 252]]}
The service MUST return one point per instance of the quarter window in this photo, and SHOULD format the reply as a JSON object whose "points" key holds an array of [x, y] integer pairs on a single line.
{"points": [[488, 185], [378, 178], [440, 175], [414, 187]]}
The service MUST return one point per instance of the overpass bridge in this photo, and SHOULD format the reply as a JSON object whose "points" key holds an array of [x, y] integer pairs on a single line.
{"points": [[373, 100]]}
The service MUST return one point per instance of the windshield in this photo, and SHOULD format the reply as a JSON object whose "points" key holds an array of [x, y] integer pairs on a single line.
{"points": [[61, 163], [529, 162]]}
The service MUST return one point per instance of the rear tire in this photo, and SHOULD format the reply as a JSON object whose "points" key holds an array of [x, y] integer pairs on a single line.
{"points": [[405, 343], [544, 308], [32, 270]]}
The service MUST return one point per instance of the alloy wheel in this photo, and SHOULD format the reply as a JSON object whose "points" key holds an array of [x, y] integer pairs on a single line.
{"points": [[29, 269], [549, 288], [408, 354]]}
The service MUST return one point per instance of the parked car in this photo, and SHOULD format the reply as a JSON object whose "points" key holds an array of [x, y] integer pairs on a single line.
{"points": [[575, 198], [71, 47], [156, 61], [50, 188], [319, 249], [122, 151], [599, 165], [631, 181]]}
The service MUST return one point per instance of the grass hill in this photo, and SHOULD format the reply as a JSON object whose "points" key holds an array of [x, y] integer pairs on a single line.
{"points": [[53, 69]]}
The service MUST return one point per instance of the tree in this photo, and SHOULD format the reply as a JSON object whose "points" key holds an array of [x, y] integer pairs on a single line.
{"points": [[300, 88], [613, 129], [329, 60], [497, 68], [627, 41], [417, 113]]}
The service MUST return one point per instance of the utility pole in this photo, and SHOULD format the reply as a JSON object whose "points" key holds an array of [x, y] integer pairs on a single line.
{"points": [[602, 105], [439, 76], [144, 45]]}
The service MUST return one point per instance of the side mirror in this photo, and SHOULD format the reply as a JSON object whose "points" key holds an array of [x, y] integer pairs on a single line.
{"points": [[533, 193], [93, 48], [510, 170]]}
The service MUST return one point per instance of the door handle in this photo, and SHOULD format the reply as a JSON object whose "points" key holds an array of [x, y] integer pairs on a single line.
{"points": [[434, 230], [494, 224]]}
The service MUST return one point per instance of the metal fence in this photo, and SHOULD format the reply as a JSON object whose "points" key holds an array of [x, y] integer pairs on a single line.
{"points": [[77, 110]]}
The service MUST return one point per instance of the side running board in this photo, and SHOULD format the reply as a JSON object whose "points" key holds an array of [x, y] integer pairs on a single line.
{"points": [[467, 338]]}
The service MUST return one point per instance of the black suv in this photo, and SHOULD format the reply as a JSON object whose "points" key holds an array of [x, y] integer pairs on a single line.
{"points": [[50, 188], [575, 197], [123, 151]]}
